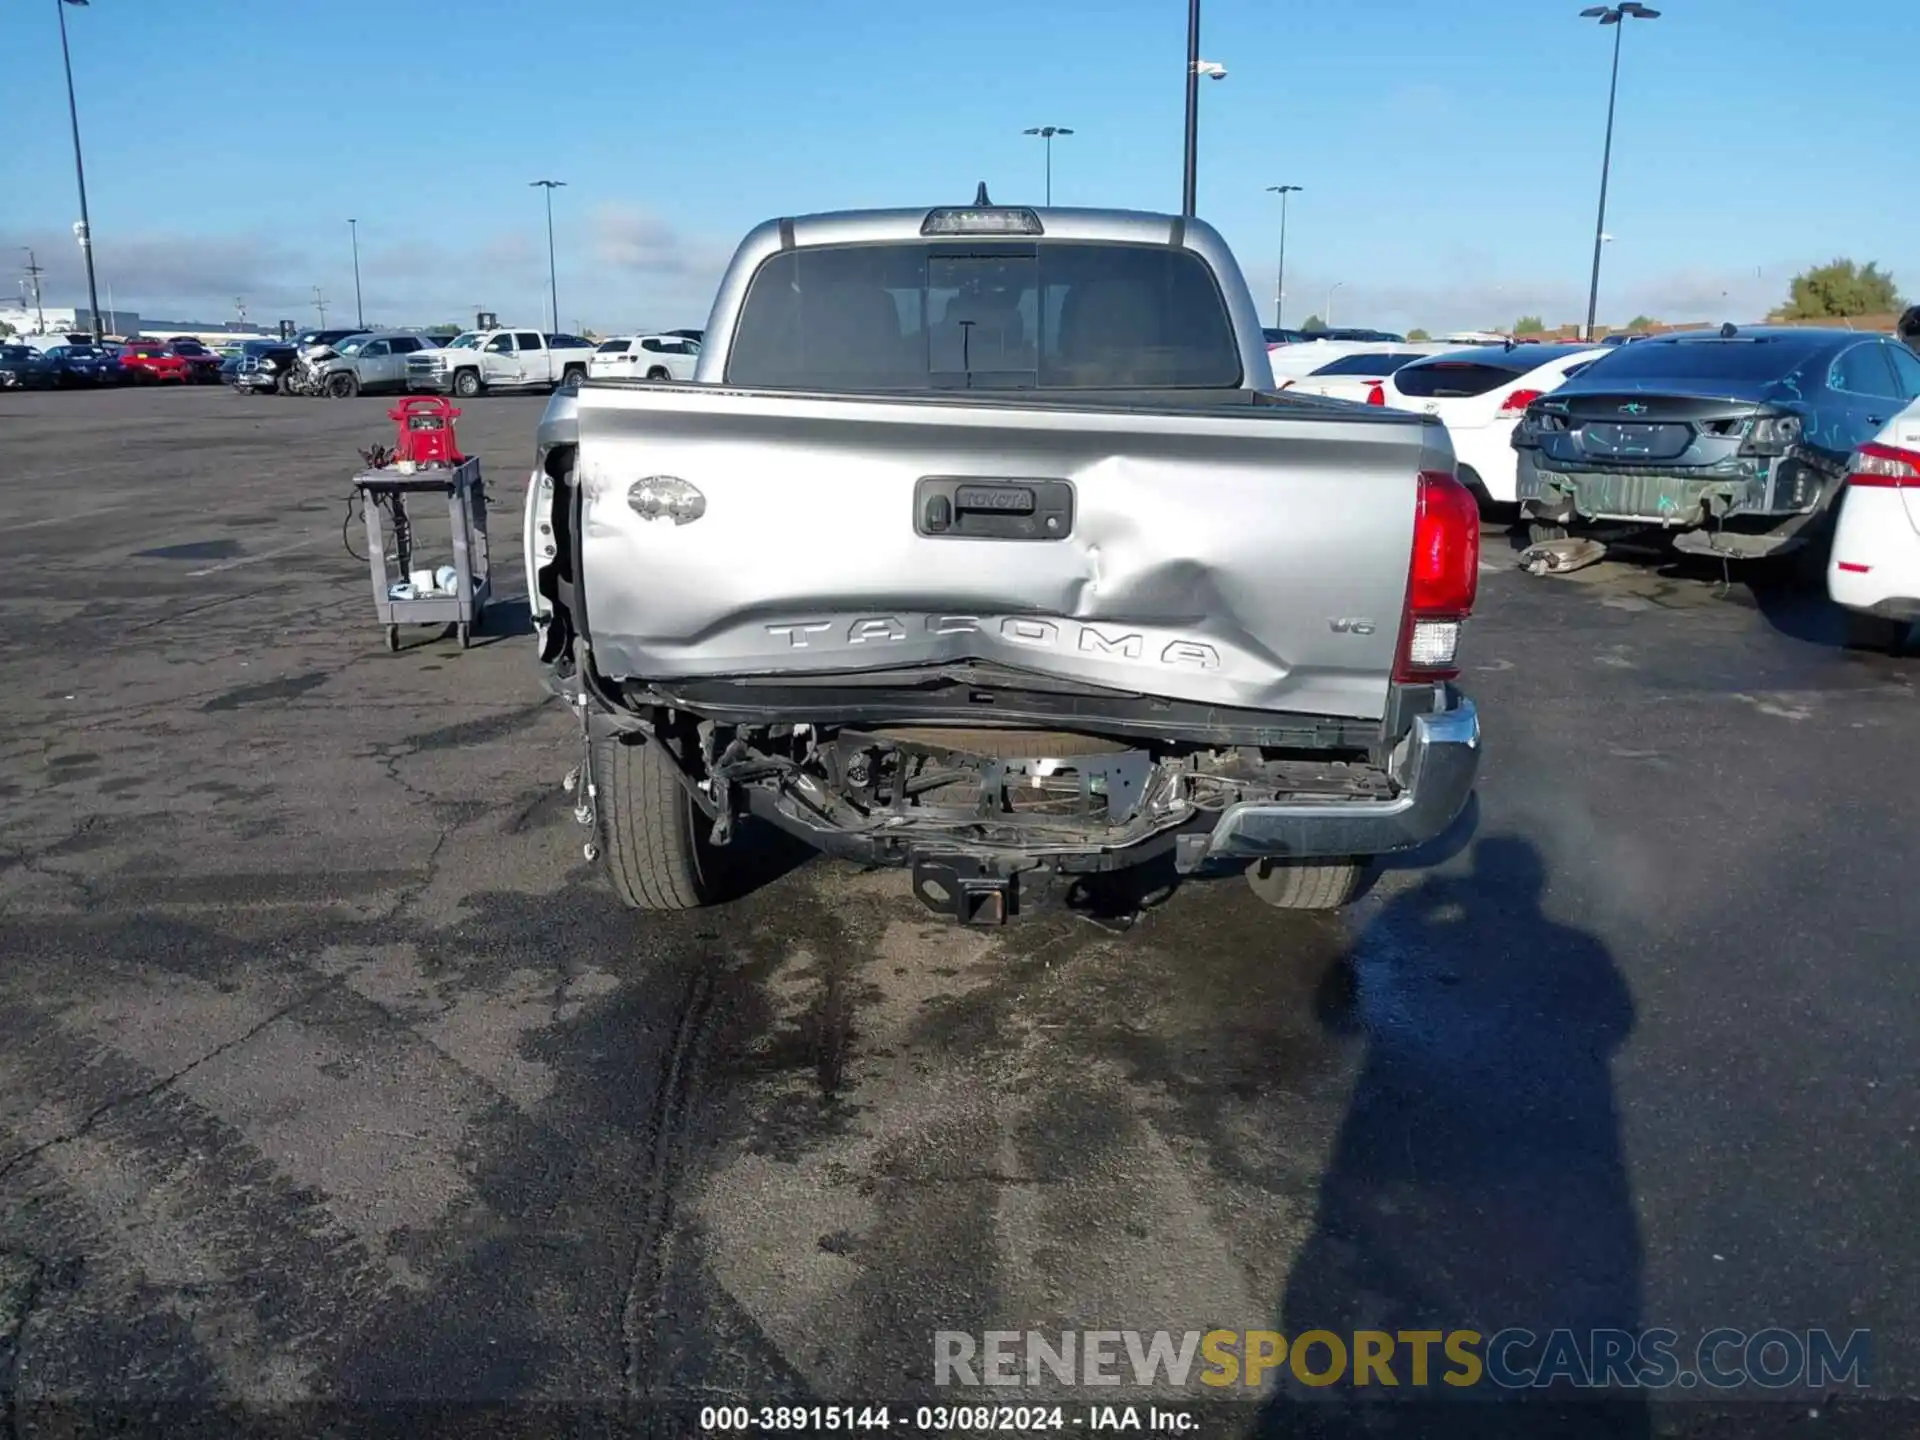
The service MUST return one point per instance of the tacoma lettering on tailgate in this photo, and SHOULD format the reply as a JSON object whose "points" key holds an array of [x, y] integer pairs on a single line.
{"points": [[1017, 629]]}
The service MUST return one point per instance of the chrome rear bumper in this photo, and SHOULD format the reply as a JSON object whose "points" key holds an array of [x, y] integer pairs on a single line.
{"points": [[1434, 767]]}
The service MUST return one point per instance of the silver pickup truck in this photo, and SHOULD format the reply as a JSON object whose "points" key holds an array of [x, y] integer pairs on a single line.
{"points": [[982, 544]]}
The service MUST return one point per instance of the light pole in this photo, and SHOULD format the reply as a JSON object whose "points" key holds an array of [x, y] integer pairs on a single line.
{"points": [[359, 311], [1196, 67], [553, 275], [1046, 133], [84, 230], [1337, 285], [1280, 280], [34, 270], [1616, 16]]}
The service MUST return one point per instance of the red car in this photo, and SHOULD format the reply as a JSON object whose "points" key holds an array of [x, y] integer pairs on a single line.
{"points": [[203, 366], [146, 361]]}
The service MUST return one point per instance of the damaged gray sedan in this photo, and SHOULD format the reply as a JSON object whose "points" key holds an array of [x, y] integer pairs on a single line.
{"points": [[1734, 440]]}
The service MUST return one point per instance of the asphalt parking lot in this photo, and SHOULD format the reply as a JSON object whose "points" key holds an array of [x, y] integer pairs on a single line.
{"points": [[330, 1068]]}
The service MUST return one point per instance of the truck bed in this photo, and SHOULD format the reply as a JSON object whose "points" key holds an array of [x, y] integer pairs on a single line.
{"points": [[1231, 548]]}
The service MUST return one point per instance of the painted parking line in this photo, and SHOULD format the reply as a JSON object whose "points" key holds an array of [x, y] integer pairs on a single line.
{"points": [[67, 519]]}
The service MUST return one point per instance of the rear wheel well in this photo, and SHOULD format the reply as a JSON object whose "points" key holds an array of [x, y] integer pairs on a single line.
{"points": [[558, 578]]}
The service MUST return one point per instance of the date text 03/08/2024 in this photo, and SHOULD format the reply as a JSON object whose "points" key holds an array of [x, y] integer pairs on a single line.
{"points": [[720, 1420]]}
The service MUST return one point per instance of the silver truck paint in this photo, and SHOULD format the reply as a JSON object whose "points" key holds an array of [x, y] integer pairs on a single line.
{"points": [[1214, 554]]}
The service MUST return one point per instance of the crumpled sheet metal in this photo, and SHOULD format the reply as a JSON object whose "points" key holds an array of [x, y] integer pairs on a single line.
{"points": [[1559, 557]]}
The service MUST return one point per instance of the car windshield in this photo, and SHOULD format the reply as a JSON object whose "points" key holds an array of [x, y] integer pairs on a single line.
{"points": [[351, 347], [16, 352], [468, 341], [189, 347], [985, 315], [1758, 357]]}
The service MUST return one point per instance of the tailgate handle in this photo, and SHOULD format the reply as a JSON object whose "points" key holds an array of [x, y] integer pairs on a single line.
{"points": [[981, 508]]}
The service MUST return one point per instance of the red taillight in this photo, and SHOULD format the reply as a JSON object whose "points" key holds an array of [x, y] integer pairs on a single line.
{"points": [[1443, 578], [1519, 400], [1885, 467], [1377, 395]]}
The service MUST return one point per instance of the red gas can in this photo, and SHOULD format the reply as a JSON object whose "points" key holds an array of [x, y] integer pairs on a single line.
{"points": [[426, 431]]}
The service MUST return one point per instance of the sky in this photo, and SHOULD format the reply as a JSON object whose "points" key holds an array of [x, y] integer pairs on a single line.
{"points": [[1449, 152]]}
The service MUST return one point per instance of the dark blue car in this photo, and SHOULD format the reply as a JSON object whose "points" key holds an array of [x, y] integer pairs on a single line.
{"points": [[84, 365], [1734, 440], [23, 368]]}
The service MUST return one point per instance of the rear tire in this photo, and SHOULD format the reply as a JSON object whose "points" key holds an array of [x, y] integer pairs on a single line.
{"points": [[573, 377], [1305, 884], [1882, 633], [653, 837], [343, 385], [658, 374]]}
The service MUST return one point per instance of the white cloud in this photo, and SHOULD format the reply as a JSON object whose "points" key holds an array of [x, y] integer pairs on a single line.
{"points": [[1477, 300], [632, 267]]}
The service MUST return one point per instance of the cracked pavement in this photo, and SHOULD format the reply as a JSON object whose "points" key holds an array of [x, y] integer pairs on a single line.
{"points": [[332, 1071]]}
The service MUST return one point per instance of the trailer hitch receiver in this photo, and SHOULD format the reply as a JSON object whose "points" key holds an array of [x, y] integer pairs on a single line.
{"points": [[964, 889]]}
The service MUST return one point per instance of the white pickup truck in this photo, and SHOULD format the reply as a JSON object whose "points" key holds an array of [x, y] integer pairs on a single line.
{"points": [[982, 544], [482, 360]]}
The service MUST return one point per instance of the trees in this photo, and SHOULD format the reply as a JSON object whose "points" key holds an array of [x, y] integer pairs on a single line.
{"points": [[1642, 322], [1312, 325], [1838, 289], [1417, 334], [1529, 325]]}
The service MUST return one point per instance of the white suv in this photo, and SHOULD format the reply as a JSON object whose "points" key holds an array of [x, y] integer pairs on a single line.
{"points": [[644, 357]]}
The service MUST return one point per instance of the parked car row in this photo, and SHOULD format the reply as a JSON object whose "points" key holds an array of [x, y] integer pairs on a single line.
{"points": [[81, 363], [341, 364]]}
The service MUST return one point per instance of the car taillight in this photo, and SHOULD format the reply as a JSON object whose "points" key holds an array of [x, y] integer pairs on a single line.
{"points": [[1518, 401], [1885, 467], [1443, 577], [1377, 395]]}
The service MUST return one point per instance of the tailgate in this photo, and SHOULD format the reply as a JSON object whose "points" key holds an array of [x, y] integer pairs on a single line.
{"points": [[1252, 556]]}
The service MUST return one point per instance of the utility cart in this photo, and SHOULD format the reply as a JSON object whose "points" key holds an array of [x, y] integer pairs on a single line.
{"points": [[453, 594]]}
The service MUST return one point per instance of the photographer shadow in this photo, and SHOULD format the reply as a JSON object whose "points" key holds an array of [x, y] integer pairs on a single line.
{"points": [[1477, 1182]]}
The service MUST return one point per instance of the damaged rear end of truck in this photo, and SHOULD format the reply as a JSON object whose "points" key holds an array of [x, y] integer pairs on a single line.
{"points": [[1013, 637]]}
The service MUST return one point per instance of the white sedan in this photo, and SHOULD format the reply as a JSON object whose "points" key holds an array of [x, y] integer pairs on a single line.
{"points": [[1290, 362], [1874, 567], [1361, 374], [644, 357], [1480, 395]]}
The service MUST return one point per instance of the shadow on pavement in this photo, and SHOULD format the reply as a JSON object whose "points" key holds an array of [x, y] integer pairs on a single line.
{"points": [[505, 620], [1477, 1182]]}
